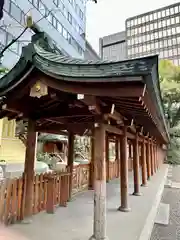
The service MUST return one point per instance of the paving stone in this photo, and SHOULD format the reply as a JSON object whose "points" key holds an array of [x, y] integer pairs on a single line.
{"points": [[162, 216], [175, 185], [76, 220], [171, 196], [168, 183]]}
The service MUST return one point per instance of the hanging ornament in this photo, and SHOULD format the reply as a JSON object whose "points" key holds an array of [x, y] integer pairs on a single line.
{"points": [[38, 90]]}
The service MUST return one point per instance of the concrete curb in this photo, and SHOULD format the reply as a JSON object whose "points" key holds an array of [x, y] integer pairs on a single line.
{"points": [[148, 226]]}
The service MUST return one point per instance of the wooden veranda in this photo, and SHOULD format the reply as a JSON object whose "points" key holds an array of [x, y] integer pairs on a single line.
{"points": [[106, 100]]}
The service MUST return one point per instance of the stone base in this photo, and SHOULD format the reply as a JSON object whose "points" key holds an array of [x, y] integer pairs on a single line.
{"points": [[93, 238], [149, 178], [124, 209], [144, 185], [26, 221], [137, 194]]}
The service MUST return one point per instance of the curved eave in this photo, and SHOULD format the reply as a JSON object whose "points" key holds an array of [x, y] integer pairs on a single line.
{"points": [[16, 75], [57, 65]]}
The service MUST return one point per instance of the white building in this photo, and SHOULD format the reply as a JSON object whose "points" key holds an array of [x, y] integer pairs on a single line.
{"points": [[63, 20]]}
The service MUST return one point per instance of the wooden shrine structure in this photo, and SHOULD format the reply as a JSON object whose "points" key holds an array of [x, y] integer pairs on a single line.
{"points": [[119, 100]]}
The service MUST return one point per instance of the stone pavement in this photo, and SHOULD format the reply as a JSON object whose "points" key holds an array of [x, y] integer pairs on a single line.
{"points": [[170, 196], [76, 221]]}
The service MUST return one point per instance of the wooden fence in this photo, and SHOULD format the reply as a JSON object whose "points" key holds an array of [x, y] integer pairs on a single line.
{"points": [[49, 190], [80, 180]]}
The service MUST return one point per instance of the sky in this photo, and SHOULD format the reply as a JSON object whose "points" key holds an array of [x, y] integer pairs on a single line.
{"points": [[108, 16]]}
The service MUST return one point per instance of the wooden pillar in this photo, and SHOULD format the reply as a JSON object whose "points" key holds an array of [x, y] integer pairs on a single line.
{"points": [[144, 165], [124, 173], [91, 175], [157, 160], [107, 157], [129, 157], [154, 154], [118, 156], [99, 225], [130, 153], [30, 158], [152, 158], [148, 159], [70, 160], [136, 166]]}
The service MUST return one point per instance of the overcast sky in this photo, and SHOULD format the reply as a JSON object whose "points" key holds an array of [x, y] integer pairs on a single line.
{"points": [[108, 16]]}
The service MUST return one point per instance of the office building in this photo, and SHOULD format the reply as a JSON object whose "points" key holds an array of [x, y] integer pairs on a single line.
{"points": [[90, 53], [113, 47], [63, 21], [155, 32]]}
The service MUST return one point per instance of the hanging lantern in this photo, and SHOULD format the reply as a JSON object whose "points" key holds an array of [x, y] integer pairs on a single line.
{"points": [[38, 90]]}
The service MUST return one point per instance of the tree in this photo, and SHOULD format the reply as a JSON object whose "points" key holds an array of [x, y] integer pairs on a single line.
{"points": [[169, 75], [1, 8]]}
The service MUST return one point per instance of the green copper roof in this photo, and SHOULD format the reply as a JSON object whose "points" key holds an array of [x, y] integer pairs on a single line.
{"points": [[39, 54]]}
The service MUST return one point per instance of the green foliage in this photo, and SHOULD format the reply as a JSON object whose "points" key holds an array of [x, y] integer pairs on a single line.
{"points": [[44, 157], [3, 71], [170, 87]]}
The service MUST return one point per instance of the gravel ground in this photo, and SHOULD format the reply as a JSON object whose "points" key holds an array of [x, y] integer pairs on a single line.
{"points": [[172, 231]]}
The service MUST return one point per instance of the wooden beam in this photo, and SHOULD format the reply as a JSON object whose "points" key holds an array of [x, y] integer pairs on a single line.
{"points": [[73, 127], [92, 103], [95, 90]]}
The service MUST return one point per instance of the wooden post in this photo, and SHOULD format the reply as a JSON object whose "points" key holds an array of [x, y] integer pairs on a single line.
{"points": [[136, 166], [157, 158], [148, 159], [154, 154], [129, 157], [91, 174], [107, 158], [30, 157], [152, 158], [70, 161], [124, 173], [99, 229], [50, 195], [118, 156], [144, 165]]}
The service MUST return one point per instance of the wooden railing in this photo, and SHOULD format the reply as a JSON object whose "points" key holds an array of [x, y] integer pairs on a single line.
{"points": [[80, 180], [49, 190], [113, 170]]}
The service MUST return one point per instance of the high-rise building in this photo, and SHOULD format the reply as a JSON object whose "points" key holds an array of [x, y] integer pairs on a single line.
{"points": [[90, 53], [155, 32], [62, 20], [113, 47]]}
